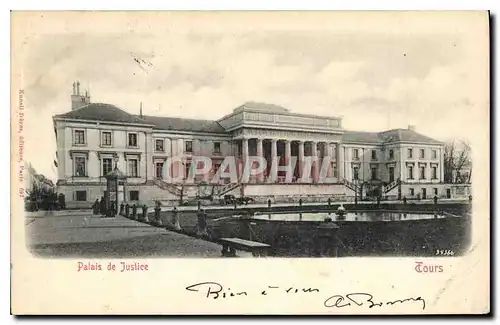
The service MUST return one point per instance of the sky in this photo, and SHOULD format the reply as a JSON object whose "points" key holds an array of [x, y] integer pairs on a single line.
{"points": [[376, 71]]}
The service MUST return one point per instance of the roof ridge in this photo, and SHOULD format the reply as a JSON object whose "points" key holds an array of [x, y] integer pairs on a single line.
{"points": [[177, 117]]}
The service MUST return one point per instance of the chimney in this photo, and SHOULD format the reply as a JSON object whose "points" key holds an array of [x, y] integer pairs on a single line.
{"points": [[140, 111], [77, 100], [411, 128]]}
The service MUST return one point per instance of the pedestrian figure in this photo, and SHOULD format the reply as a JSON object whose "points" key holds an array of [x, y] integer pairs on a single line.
{"points": [[145, 213], [134, 212], [157, 213], [102, 206], [112, 209], [175, 219], [95, 207]]}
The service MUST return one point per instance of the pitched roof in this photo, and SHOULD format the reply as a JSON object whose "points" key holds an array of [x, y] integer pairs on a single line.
{"points": [[183, 124], [396, 135], [111, 113], [363, 137], [102, 112], [406, 135], [261, 107]]}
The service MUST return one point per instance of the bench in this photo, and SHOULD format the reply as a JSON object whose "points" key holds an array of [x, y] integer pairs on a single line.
{"points": [[230, 245]]}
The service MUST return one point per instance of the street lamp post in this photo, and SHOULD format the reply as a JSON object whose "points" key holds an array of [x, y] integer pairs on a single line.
{"points": [[355, 191]]}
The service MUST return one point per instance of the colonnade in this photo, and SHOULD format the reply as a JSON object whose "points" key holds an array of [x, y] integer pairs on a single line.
{"points": [[318, 149]]}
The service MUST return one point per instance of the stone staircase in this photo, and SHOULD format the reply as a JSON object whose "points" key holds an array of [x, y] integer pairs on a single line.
{"points": [[351, 185], [226, 188], [392, 185], [168, 187]]}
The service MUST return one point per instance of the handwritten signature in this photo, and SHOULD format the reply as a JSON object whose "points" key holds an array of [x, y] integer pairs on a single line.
{"points": [[365, 299], [216, 290]]}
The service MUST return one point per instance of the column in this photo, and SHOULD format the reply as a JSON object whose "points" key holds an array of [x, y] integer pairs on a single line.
{"points": [[300, 161], [260, 176], [244, 154], [274, 149], [314, 154], [197, 152], [288, 155], [244, 147], [340, 162], [274, 157], [329, 152]]}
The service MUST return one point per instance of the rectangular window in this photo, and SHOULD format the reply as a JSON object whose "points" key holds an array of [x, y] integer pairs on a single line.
{"points": [[134, 195], [80, 166], [391, 154], [188, 146], [434, 173], [106, 139], [435, 191], [410, 153], [216, 147], [355, 154], [410, 172], [159, 145], [434, 154], [374, 173], [107, 166], [422, 153], [374, 154], [81, 195], [133, 168], [334, 169], [422, 172], [355, 172], [187, 167], [79, 137], [132, 139], [412, 192]]}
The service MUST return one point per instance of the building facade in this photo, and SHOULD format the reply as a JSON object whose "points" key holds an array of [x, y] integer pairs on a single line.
{"points": [[93, 138]]}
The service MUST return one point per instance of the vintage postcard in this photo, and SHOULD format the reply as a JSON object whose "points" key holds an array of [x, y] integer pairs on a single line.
{"points": [[319, 163]]}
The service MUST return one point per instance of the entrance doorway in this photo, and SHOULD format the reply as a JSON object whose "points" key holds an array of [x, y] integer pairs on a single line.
{"points": [[448, 193], [159, 170], [424, 193], [391, 174]]}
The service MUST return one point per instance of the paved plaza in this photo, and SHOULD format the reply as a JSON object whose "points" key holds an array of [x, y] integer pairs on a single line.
{"points": [[79, 235]]}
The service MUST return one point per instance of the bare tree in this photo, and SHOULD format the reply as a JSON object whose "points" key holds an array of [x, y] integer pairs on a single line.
{"points": [[457, 156]]}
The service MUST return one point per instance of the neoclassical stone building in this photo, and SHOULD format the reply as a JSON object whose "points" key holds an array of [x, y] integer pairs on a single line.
{"points": [[92, 138]]}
